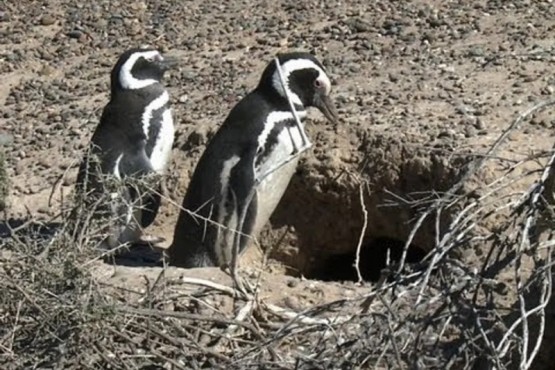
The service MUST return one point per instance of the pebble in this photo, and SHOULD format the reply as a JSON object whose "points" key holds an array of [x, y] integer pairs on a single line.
{"points": [[198, 137], [45, 162], [5, 139], [47, 20], [292, 302], [47, 70], [470, 131], [359, 25], [479, 124], [76, 34], [44, 210], [292, 283]]}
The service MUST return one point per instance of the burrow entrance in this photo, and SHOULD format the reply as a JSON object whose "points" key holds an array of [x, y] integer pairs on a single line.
{"points": [[315, 229], [317, 236], [372, 260]]}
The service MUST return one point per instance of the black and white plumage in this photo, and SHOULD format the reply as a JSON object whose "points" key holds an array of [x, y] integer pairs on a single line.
{"points": [[248, 164], [134, 139]]}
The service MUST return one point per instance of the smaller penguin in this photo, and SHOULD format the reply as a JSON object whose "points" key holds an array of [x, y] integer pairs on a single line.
{"points": [[248, 164], [130, 148]]}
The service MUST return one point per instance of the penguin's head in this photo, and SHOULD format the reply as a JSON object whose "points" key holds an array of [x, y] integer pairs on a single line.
{"points": [[138, 68], [304, 81]]}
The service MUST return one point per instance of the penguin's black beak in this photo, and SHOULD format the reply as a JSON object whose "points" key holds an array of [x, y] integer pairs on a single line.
{"points": [[168, 62], [323, 102]]}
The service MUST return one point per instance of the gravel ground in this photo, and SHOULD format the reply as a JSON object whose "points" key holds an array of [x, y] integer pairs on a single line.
{"points": [[422, 87]]}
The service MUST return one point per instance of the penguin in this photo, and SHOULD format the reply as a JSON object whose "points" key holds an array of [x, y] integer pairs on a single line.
{"points": [[132, 143], [249, 162]]}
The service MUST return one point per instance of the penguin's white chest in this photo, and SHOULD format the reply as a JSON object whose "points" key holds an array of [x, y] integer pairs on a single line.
{"points": [[160, 156], [276, 169], [288, 141]]}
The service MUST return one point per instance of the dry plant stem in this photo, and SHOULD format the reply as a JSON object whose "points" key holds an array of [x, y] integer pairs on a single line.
{"points": [[209, 284], [197, 345], [471, 172], [303, 318], [15, 324], [58, 181], [389, 315], [362, 233], [547, 289], [156, 353], [241, 316], [183, 315], [306, 143]]}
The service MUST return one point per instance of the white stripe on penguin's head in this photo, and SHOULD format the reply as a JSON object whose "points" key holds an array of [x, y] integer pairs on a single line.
{"points": [[291, 66], [126, 78]]}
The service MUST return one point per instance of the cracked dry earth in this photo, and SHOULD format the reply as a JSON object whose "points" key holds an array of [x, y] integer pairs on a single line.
{"points": [[422, 87]]}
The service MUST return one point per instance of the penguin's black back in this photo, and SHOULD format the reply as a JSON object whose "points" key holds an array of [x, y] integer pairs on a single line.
{"points": [[238, 136], [119, 132]]}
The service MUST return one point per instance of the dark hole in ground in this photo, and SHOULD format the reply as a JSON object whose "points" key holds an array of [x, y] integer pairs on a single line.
{"points": [[373, 256]]}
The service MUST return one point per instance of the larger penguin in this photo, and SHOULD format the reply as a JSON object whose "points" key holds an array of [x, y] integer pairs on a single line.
{"points": [[248, 164], [132, 141]]}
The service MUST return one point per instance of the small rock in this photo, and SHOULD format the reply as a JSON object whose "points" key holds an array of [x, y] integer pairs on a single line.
{"points": [[447, 68], [5, 139], [44, 210], [198, 137], [358, 25], [32, 189], [446, 134], [292, 302], [75, 34], [548, 90], [83, 38], [45, 162], [292, 283], [47, 20], [20, 168], [468, 121], [476, 52], [463, 109], [479, 124], [470, 131], [46, 70]]}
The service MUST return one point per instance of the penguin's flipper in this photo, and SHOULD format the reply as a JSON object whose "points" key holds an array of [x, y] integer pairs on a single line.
{"points": [[242, 184], [135, 163], [135, 168], [139, 166]]}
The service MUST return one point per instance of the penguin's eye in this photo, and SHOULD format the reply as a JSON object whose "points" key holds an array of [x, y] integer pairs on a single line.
{"points": [[318, 83], [154, 58]]}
